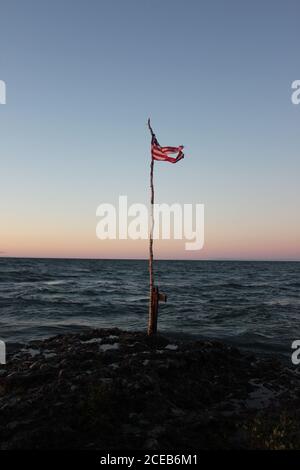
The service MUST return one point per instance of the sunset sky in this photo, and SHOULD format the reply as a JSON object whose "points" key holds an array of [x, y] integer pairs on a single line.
{"points": [[82, 78]]}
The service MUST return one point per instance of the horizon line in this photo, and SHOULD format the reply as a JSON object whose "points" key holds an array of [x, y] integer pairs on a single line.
{"points": [[256, 260]]}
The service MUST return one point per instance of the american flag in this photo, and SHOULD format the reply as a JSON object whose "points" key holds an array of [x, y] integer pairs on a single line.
{"points": [[161, 153]]}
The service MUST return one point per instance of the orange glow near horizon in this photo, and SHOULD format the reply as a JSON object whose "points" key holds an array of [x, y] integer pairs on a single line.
{"points": [[218, 245]]}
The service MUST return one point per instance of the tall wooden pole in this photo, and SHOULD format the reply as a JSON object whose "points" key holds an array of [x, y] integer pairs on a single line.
{"points": [[155, 295], [152, 321]]}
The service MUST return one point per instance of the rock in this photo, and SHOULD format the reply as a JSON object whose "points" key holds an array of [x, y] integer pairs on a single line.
{"points": [[139, 392], [172, 347], [12, 425], [151, 444]]}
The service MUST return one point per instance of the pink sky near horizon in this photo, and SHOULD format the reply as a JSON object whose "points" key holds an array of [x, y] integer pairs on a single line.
{"points": [[221, 242]]}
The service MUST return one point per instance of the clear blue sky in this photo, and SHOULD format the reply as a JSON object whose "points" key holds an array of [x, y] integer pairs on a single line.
{"points": [[82, 78]]}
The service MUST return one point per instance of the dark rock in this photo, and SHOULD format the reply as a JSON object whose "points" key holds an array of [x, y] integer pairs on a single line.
{"points": [[145, 394]]}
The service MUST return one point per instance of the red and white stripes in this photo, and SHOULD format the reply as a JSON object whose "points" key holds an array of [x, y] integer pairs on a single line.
{"points": [[161, 153]]}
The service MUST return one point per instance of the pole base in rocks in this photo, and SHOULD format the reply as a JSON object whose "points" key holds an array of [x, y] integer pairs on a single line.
{"points": [[156, 297]]}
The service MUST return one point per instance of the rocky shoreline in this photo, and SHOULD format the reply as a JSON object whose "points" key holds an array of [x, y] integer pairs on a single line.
{"points": [[109, 389]]}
